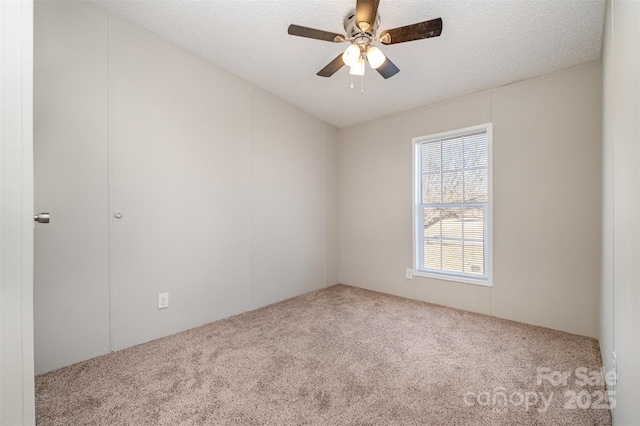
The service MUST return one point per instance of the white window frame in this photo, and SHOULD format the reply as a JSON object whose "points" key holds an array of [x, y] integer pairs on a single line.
{"points": [[418, 217]]}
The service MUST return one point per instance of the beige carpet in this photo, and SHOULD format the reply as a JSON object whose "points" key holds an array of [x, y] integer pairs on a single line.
{"points": [[338, 356]]}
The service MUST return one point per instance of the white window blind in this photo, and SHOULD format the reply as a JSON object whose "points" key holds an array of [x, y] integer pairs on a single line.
{"points": [[452, 204]]}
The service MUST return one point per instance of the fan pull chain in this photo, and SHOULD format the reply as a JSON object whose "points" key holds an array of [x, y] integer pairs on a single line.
{"points": [[361, 84]]}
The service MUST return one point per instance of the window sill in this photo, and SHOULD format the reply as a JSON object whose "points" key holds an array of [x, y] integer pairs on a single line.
{"points": [[444, 277]]}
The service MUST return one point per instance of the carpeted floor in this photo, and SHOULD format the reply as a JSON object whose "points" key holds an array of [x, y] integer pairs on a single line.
{"points": [[338, 356]]}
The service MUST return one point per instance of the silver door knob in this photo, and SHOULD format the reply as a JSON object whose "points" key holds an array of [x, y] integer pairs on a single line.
{"points": [[42, 218]]}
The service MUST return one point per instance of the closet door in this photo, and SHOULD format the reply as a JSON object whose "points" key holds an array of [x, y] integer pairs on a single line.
{"points": [[71, 277], [180, 141]]}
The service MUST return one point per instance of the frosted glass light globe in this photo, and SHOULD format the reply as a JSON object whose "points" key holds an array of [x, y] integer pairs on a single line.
{"points": [[375, 57], [351, 55]]}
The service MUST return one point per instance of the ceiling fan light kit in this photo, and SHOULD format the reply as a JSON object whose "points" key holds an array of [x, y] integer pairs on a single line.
{"points": [[361, 26]]}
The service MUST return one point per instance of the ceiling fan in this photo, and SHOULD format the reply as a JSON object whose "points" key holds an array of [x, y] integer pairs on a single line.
{"points": [[361, 26]]}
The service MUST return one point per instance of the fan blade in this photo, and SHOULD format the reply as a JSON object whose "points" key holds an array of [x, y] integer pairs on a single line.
{"points": [[299, 31], [366, 12], [418, 31], [332, 67], [388, 69]]}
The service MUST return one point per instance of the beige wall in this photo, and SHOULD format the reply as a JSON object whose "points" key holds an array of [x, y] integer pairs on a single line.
{"points": [[332, 214], [620, 294], [228, 195], [546, 192]]}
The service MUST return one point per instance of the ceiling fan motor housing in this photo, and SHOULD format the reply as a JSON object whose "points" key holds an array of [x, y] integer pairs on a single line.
{"points": [[354, 32]]}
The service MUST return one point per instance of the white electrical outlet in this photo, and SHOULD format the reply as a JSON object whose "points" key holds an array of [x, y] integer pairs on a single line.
{"points": [[409, 274], [163, 300]]}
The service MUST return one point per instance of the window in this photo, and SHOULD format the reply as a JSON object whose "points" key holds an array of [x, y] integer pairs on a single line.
{"points": [[452, 208]]}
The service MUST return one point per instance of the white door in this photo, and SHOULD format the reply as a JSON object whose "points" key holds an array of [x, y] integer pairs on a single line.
{"points": [[16, 214], [71, 279]]}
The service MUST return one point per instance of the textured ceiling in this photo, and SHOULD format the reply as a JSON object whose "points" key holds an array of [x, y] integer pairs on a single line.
{"points": [[484, 44]]}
